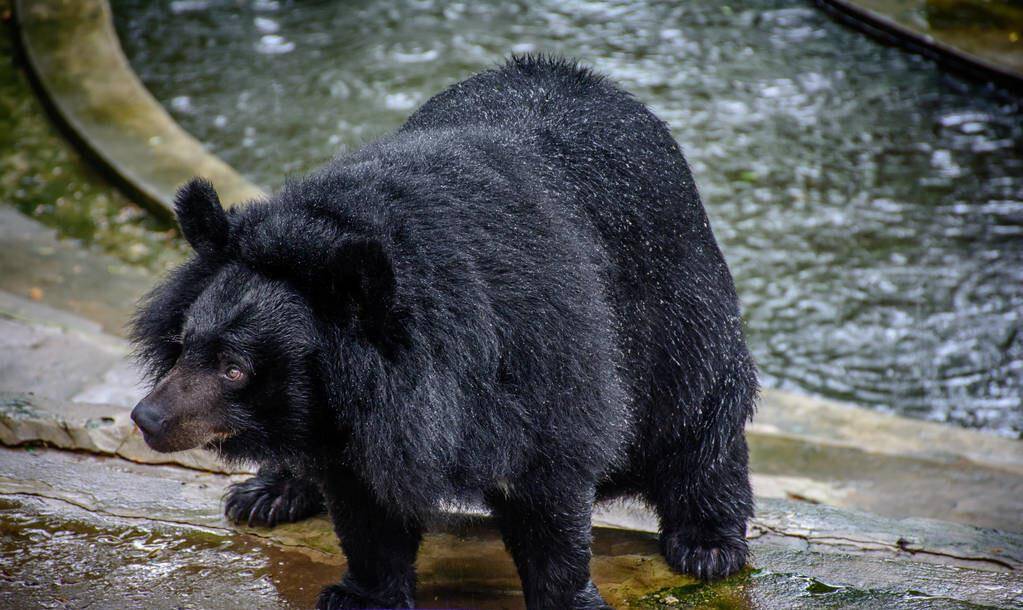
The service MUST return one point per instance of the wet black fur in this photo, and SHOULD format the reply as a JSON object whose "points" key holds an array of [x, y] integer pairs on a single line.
{"points": [[515, 299]]}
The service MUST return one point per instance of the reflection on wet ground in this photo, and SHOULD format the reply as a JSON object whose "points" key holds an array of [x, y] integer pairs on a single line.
{"points": [[54, 552], [871, 207], [57, 556]]}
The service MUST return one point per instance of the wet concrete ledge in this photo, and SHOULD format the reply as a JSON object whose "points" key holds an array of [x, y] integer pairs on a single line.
{"points": [[77, 63], [906, 485], [890, 31]]}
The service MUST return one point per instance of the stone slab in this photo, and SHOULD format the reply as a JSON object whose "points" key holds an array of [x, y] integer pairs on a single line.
{"points": [[102, 429], [834, 423], [81, 286], [61, 356], [892, 484]]}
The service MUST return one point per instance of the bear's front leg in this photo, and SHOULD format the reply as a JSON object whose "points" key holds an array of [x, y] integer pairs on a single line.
{"points": [[273, 496], [380, 546], [546, 528]]}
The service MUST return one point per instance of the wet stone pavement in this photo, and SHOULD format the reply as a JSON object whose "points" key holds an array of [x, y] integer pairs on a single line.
{"points": [[87, 531]]}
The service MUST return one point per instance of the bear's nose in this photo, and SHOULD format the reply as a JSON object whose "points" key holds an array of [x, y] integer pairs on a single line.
{"points": [[148, 419]]}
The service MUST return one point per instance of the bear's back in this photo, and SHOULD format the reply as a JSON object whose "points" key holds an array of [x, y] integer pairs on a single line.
{"points": [[600, 151], [604, 154]]}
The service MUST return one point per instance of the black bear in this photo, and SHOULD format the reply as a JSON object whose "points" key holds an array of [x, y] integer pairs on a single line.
{"points": [[515, 300]]}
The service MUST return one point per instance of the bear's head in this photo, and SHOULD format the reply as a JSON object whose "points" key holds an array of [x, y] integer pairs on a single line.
{"points": [[237, 340]]}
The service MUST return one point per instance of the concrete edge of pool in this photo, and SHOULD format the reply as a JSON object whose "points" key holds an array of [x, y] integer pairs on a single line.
{"points": [[889, 31], [910, 559], [28, 415], [75, 59]]}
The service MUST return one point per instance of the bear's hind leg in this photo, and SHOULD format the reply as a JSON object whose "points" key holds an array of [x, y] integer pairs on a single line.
{"points": [[703, 514], [273, 496], [546, 528], [700, 487]]}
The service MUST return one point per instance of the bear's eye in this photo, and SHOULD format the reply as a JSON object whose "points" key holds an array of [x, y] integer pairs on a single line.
{"points": [[234, 373]]}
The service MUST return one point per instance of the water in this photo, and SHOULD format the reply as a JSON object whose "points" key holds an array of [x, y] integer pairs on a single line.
{"points": [[58, 556], [870, 206]]}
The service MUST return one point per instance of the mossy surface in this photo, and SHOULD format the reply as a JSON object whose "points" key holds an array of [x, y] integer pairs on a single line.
{"points": [[991, 30], [44, 177]]}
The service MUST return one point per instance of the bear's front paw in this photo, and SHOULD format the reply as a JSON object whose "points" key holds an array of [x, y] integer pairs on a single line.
{"points": [[706, 560], [346, 595], [265, 501]]}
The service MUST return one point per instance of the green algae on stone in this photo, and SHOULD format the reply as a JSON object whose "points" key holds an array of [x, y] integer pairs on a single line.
{"points": [[76, 57], [991, 30], [816, 587], [43, 177]]}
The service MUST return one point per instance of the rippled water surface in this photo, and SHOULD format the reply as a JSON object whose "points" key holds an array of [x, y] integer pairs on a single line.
{"points": [[871, 207]]}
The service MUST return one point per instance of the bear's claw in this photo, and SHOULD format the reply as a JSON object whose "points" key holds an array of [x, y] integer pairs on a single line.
{"points": [[266, 501]]}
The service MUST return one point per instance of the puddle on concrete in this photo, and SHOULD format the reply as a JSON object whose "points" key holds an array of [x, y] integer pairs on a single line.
{"points": [[53, 554], [64, 557]]}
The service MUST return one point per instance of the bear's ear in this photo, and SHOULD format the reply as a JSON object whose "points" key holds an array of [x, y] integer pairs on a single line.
{"points": [[361, 277], [202, 219]]}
